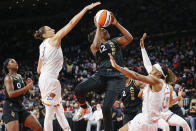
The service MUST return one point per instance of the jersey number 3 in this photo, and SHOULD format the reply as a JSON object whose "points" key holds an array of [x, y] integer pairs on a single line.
{"points": [[102, 49]]}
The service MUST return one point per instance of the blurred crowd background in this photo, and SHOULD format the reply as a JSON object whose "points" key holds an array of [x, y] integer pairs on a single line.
{"points": [[172, 41]]}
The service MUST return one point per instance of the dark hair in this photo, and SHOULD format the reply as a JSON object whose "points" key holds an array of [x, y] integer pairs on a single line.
{"points": [[170, 76], [38, 33], [5, 64], [91, 36]]}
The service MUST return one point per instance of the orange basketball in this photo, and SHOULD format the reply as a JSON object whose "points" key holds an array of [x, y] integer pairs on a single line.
{"points": [[103, 18]]}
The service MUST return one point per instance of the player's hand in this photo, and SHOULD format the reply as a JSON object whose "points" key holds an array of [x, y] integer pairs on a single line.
{"points": [[180, 93], [29, 83], [142, 40], [95, 22], [91, 6], [114, 20], [113, 62]]}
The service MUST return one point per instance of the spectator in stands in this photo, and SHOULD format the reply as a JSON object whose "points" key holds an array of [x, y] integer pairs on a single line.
{"points": [[94, 118]]}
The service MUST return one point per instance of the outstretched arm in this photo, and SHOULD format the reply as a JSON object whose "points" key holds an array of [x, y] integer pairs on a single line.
{"points": [[72, 23], [146, 60], [132, 74], [126, 38]]}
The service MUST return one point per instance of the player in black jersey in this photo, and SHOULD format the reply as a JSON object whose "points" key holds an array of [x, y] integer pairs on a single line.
{"points": [[13, 110], [106, 79], [129, 96]]}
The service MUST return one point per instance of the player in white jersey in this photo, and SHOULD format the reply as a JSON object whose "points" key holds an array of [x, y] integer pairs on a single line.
{"points": [[49, 65], [167, 116], [153, 96]]}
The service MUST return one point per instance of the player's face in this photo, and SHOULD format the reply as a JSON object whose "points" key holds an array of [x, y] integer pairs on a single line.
{"points": [[155, 72], [104, 34], [48, 32], [12, 64]]}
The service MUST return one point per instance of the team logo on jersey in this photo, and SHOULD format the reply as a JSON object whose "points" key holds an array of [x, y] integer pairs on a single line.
{"points": [[51, 96], [13, 114]]}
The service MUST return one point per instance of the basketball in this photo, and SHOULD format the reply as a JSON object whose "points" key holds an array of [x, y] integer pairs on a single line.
{"points": [[103, 18]]}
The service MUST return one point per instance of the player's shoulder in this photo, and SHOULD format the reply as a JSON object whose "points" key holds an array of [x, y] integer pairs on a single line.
{"points": [[8, 78]]}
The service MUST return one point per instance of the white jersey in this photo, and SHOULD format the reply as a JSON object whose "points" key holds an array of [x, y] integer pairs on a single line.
{"points": [[152, 103], [166, 99], [52, 59]]}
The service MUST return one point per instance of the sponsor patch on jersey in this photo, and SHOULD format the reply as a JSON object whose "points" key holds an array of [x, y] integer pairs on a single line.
{"points": [[13, 114]]}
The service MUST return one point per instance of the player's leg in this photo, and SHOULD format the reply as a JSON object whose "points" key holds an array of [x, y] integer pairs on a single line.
{"points": [[61, 118], [32, 123], [10, 117], [163, 125], [48, 126], [114, 87], [176, 120], [91, 84], [12, 125]]}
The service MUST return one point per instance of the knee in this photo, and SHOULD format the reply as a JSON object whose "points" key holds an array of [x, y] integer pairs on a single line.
{"points": [[183, 123], [121, 129]]}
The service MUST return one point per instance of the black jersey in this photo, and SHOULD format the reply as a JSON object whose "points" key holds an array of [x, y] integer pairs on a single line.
{"points": [[103, 59], [16, 102], [130, 99]]}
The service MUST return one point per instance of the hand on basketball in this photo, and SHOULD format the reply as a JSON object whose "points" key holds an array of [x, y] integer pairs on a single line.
{"points": [[142, 40], [96, 24], [114, 20], [29, 83], [113, 62], [91, 6]]}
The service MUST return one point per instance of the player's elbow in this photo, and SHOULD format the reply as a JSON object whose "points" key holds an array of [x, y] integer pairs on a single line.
{"points": [[11, 95], [129, 39]]}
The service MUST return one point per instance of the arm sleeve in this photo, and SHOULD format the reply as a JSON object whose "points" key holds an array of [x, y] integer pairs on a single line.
{"points": [[146, 61]]}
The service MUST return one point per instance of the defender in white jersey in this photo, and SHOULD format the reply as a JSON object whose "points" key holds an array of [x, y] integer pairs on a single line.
{"points": [[153, 96], [49, 65], [168, 117]]}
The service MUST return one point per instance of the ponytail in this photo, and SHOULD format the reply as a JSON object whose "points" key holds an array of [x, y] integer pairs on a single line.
{"points": [[39, 33], [170, 77]]}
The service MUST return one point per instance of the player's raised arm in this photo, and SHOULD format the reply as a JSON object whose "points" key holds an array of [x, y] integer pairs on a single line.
{"points": [[126, 38], [146, 60], [97, 39], [72, 23], [132, 74]]}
